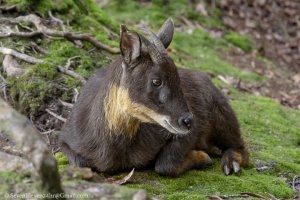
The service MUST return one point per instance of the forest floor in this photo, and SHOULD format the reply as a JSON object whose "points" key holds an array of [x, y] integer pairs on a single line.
{"points": [[242, 59]]}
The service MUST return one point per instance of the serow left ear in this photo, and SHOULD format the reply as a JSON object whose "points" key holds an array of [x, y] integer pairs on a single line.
{"points": [[130, 45]]}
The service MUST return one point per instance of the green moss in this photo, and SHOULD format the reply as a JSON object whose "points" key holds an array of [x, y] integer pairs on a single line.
{"points": [[243, 42], [265, 125], [62, 160], [96, 13], [271, 131], [34, 89], [15, 183]]}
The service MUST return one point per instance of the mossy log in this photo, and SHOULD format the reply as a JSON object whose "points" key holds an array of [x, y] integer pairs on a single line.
{"points": [[20, 130]]}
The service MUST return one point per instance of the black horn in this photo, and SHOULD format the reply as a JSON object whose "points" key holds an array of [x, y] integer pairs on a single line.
{"points": [[156, 41], [155, 54]]}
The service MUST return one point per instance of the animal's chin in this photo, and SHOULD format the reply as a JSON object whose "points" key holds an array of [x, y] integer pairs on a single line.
{"points": [[175, 130]]}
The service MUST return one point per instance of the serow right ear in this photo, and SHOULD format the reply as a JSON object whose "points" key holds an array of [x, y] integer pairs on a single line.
{"points": [[166, 32], [130, 45]]}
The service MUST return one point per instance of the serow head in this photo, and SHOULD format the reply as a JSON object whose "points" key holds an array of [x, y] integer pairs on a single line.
{"points": [[152, 81]]}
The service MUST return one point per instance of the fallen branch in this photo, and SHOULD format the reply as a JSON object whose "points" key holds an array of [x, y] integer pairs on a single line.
{"points": [[19, 55], [56, 115], [20, 130], [42, 29], [72, 73]]}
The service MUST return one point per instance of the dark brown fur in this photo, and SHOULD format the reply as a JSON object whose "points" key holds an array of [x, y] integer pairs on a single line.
{"points": [[87, 140]]}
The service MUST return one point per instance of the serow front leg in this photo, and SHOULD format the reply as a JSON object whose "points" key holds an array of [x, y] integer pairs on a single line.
{"points": [[174, 165]]}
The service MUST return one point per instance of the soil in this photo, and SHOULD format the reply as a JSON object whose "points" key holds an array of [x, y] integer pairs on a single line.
{"points": [[275, 27]]}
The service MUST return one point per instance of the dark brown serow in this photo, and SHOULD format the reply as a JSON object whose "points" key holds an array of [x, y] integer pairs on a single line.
{"points": [[142, 109]]}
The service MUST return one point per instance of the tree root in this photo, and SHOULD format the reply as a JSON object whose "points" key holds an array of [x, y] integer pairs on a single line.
{"points": [[19, 55], [43, 30], [71, 73], [56, 115]]}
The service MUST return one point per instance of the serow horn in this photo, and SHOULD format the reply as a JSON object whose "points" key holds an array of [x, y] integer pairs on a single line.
{"points": [[156, 41], [155, 54]]}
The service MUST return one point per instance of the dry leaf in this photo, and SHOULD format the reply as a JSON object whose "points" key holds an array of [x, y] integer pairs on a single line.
{"points": [[296, 78], [123, 180]]}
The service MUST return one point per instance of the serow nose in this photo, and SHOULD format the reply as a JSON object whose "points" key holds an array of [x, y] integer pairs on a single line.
{"points": [[186, 120]]}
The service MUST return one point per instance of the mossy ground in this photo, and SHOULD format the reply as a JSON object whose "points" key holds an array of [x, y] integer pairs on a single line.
{"points": [[271, 131]]}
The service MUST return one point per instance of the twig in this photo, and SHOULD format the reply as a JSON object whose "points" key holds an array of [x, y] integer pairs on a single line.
{"points": [[56, 115], [22, 34], [3, 86], [186, 22], [19, 55], [272, 196], [8, 9], [229, 196], [294, 181], [66, 104], [71, 73], [38, 48], [254, 195], [3, 79], [61, 23], [214, 198], [70, 61], [75, 95], [37, 21]]}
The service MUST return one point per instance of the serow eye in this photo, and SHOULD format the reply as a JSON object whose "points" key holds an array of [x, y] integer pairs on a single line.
{"points": [[156, 82]]}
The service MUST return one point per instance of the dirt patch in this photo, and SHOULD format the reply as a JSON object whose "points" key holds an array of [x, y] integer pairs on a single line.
{"points": [[275, 25], [281, 84]]}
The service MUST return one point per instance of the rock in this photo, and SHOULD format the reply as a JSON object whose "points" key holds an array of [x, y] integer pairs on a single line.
{"points": [[10, 163], [200, 8]]}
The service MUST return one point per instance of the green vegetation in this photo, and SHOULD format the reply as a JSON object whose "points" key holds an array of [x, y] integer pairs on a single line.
{"points": [[243, 42], [37, 87], [15, 183], [271, 132], [62, 160]]}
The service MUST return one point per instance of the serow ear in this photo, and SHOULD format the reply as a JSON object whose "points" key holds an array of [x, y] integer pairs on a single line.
{"points": [[130, 45], [165, 33]]}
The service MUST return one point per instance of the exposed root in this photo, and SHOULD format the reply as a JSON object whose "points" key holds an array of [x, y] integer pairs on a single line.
{"points": [[59, 21], [56, 115], [43, 30], [19, 55], [71, 73]]}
